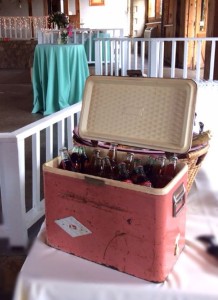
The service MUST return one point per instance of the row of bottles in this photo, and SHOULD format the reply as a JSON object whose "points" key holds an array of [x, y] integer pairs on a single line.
{"points": [[151, 172]]}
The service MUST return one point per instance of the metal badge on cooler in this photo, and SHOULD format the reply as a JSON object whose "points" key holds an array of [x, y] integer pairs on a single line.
{"points": [[72, 226]]}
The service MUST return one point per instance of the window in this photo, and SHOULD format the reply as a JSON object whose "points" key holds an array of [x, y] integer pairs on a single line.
{"points": [[203, 15], [151, 8], [154, 9]]}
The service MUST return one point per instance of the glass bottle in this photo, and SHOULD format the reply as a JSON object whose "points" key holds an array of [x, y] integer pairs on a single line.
{"points": [[123, 174], [129, 160], [157, 172], [169, 171], [74, 155], [97, 167], [138, 175], [83, 160], [112, 154], [148, 165], [91, 167], [106, 168], [66, 163]]}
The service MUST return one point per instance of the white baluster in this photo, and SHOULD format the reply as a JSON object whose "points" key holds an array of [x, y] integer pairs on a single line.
{"points": [[15, 27], [52, 37], [173, 59], [212, 60], [39, 36]]}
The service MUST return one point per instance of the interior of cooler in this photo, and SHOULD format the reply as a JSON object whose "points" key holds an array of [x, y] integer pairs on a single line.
{"points": [[154, 170]]}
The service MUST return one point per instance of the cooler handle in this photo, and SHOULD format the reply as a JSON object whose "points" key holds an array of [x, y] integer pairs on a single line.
{"points": [[179, 198]]}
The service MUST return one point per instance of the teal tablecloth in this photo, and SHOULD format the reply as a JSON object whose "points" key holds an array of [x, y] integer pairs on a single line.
{"points": [[59, 75], [91, 55]]}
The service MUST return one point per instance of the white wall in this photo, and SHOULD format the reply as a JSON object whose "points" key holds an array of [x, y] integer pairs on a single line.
{"points": [[114, 14], [37, 7], [11, 8], [138, 17]]}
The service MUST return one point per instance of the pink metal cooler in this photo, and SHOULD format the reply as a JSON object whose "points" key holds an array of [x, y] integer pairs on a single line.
{"points": [[131, 228]]}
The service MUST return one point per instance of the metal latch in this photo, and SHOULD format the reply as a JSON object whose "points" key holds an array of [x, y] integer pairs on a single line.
{"points": [[179, 198], [94, 181]]}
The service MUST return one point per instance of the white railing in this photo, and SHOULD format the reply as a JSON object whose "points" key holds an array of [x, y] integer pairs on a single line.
{"points": [[21, 28], [122, 54], [57, 131], [85, 36]]}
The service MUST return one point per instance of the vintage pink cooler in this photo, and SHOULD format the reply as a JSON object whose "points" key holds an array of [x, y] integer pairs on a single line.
{"points": [[131, 228]]}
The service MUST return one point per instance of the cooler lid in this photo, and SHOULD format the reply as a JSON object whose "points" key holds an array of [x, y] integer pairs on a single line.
{"points": [[150, 113]]}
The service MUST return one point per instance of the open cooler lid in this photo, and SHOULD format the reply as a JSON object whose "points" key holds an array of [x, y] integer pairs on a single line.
{"points": [[150, 113]]}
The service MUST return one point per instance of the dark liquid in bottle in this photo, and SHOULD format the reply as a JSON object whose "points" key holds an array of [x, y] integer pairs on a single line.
{"points": [[66, 165]]}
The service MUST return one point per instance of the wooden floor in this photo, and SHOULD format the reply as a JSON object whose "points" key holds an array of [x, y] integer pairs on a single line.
{"points": [[16, 100]]}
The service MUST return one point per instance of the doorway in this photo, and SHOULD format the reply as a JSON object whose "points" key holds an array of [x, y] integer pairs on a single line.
{"points": [[185, 19], [53, 6], [69, 7], [72, 9], [196, 26]]}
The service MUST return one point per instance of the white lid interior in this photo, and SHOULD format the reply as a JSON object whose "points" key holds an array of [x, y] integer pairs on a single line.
{"points": [[150, 113]]}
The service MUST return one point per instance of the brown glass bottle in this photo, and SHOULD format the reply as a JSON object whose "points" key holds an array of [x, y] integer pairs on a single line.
{"points": [[138, 175], [169, 171], [157, 178], [112, 154], [97, 167], [148, 165], [66, 163], [106, 168], [123, 174], [92, 164], [129, 160], [74, 155], [83, 160]]}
